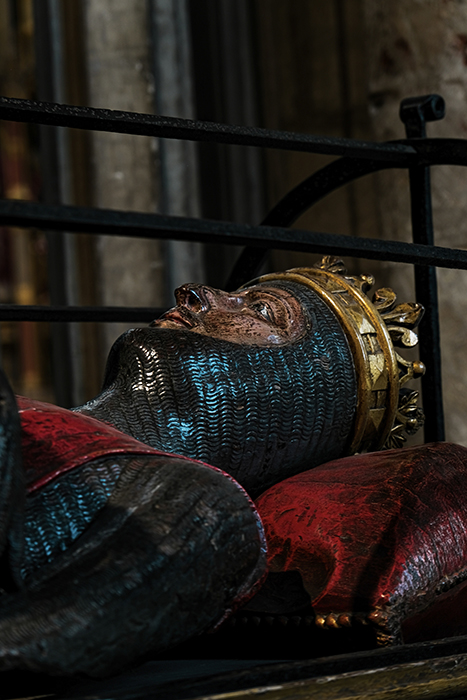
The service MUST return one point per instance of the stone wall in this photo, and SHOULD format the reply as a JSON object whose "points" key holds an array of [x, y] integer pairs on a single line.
{"points": [[416, 48]]}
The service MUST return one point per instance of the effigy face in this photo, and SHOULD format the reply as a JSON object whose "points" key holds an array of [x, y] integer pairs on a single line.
{"points": [[259, 315]]}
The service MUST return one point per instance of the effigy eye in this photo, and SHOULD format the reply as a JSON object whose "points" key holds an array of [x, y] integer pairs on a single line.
{"points": [[262, 309], [193, 302]]}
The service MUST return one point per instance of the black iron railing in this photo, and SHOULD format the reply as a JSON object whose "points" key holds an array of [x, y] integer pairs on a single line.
{"points": [[357, 158], [174, 128]]}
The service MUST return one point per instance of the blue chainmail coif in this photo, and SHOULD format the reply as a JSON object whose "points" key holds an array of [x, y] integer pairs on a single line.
{"points": [[259, 413]]}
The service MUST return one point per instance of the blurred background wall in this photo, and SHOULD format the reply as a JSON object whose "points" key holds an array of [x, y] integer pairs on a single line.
{"points": [[338, 68]]}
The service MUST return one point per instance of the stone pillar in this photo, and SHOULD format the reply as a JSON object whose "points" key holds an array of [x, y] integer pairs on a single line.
{"points": [[124, 166], [416, 48], [172, 60]]}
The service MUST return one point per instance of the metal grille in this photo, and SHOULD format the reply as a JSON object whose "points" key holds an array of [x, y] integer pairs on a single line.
{"points": [[356, 159]]}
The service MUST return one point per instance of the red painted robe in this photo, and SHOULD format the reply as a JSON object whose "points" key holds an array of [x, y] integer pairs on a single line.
{"points": [[55, 440]]}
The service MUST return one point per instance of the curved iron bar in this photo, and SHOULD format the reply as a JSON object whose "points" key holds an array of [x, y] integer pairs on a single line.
{"points": [[328, 179]]}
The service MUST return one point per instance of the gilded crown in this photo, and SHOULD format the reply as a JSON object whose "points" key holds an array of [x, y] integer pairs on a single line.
{"points": [[374, 329]]}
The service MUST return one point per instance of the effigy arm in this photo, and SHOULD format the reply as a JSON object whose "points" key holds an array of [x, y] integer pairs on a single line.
{"points": [[177, 545]]}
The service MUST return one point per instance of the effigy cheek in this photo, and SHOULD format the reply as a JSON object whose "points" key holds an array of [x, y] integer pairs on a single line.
{"points": [[243, 329]]}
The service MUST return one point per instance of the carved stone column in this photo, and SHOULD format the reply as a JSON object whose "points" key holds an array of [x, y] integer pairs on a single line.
{"points": [[124, 168]]}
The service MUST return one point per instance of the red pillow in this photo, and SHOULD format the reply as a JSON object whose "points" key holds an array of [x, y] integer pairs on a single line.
{"points": [[379, 538]]}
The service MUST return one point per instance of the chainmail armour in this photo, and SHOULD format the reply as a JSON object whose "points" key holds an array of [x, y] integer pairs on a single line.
{"points": [[260, 413], [59, 512]]}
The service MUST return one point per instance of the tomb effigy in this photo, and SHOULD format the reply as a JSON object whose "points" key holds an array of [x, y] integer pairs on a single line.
{"points": [[128, 527]]}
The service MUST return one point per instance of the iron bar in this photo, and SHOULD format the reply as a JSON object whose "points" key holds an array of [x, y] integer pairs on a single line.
{"points": [[139, 225], [414, 112], [170, 127], [86, 314]]}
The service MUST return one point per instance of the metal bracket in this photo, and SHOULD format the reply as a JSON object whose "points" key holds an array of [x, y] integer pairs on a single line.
{"points": [[416, 111]]}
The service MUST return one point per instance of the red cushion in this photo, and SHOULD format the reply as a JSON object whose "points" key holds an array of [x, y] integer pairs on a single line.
{"points": [[377, 537]]}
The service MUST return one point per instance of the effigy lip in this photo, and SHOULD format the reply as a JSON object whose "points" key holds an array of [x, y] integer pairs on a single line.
{"points": [[178, 316]]}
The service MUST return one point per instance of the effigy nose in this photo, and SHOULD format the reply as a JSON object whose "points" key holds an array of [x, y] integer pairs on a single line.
{"points": [[200, 297], [193, 297]]}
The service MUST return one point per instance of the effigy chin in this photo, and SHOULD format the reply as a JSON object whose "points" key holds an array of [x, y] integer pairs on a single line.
{"points": [[127, 525]]}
